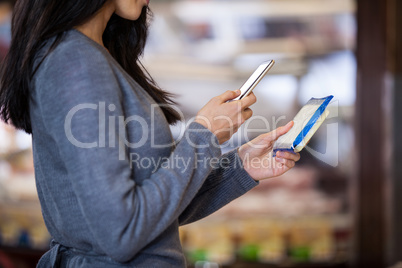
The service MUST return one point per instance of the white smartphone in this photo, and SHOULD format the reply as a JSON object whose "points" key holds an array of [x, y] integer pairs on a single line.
{"points": [[254, 79]]}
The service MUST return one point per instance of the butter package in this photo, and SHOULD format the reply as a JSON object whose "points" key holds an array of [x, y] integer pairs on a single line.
{"points": [[306, 123]]}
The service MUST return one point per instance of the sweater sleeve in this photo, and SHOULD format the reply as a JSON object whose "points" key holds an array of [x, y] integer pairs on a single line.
{"points": [[122, 215], [227, 181]]}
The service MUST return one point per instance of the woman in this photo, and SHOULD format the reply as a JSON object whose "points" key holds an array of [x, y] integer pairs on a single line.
{"points": [[113, 189]]}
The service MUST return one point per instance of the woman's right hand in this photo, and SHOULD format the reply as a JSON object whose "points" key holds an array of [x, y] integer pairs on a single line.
{"points": [[224, 118]]}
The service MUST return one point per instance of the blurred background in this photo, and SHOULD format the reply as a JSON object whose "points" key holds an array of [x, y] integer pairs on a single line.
{"points": [[338, 207]]}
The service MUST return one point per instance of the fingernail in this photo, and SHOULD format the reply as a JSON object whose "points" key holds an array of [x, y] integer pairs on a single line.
{"points": [[237, 91]]}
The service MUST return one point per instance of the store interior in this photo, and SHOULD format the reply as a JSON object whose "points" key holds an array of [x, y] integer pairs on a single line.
{"points": [[338, 206]]}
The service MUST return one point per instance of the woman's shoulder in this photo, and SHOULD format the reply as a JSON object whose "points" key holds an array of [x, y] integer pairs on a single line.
{"points": [[75, 52], [76, 67]]}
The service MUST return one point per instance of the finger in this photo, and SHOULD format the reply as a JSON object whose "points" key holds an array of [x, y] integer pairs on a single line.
{"points": [[285, 162], [273, 135], [247, 113], [288, 155], [279, 163], [248, 101], [229, 95]]}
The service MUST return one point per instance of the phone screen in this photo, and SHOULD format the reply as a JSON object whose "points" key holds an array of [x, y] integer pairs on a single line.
{"points": [[255, 78]]}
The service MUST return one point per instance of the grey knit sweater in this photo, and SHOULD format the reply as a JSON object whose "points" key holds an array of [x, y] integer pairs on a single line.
{"points": [[112, 186]]}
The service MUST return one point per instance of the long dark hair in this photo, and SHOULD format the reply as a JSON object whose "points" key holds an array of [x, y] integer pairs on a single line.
{"points": [[35, 21]]}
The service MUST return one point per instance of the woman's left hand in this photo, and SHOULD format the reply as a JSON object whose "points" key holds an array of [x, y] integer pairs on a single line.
{"points": [[257, 159]]}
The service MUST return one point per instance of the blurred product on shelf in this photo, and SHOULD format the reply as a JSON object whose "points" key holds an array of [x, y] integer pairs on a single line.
{"points": [[292, 194], [7, 138], [20, 162], [21, 225], [284, 221], [17, 179], [16, 166], [262, 240], [310, 239], [209, 241], [312, 27], [6, 7]]}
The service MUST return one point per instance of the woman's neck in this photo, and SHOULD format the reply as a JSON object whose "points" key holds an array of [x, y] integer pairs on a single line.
{"points": [[95, 27]]}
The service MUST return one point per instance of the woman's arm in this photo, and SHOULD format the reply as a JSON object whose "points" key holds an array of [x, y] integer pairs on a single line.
{"points": [[122, 216], [239, 171], [226, 182]]}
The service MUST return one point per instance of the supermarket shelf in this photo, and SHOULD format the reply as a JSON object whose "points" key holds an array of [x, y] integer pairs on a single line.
{"points": [[193, 11], [22, 257], [188, 68], [241, 264]]}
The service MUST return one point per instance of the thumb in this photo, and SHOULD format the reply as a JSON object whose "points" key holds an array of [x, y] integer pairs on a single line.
{"points": [[229, 95], [281, 131]]}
